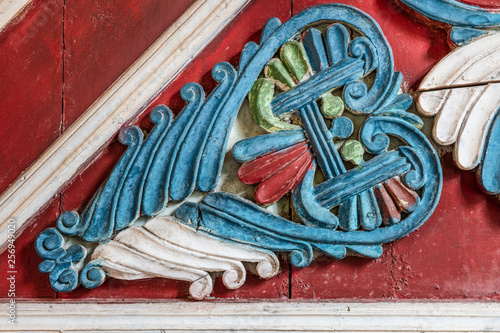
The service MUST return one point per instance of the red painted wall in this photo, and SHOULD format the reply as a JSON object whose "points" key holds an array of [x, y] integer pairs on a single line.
{"points": [[53, 69]]}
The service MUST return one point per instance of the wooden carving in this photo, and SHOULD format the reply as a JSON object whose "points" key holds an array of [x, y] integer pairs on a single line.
{"points": [[340, 142]]}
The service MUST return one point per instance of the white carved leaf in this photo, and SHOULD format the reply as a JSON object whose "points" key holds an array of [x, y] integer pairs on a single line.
{"points": [[165, 248], [463, 91]]}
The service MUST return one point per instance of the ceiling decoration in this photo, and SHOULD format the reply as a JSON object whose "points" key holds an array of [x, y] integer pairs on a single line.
{"points": [[341, 153]]}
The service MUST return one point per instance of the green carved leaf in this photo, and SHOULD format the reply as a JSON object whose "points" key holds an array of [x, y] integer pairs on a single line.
{"points": [[276, 72], [260, 97], [353, 151], [331, 106], [294, 58]]}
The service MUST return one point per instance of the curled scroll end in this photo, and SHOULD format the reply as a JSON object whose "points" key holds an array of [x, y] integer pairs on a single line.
{"points": [[160, 113], [92, 275], [300, 258], [130, 135], [49, 244], [234, 278], [63, 278], [268, 268], [68, 223], [201, 288]]}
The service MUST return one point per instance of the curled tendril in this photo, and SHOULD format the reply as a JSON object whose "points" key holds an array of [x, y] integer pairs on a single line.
{"points": [[362, 48], [68, 223], [301, 258], [130, 135], [222, 70], [92, 275], [201, 288], [191, 91], [354, 91], [415, 178], [160, 114], [64, 278], [234, 278], [49, 244], [268, 267], [374, 141]]}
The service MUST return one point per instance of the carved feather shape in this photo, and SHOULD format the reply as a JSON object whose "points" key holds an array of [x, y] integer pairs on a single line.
{"points": [[165, 248], [463, 92]]}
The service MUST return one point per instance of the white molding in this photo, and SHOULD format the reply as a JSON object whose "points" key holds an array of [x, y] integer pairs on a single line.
{"points": [[157, 67], [9, 9], [257, 316]]}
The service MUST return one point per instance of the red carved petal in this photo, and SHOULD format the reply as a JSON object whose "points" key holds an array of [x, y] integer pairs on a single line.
{"points": [[390, 213], [265, 166], [276, 186], [406, 199]]}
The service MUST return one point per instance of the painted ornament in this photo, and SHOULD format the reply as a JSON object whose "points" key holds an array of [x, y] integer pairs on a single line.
{"points": [[340, 142]]}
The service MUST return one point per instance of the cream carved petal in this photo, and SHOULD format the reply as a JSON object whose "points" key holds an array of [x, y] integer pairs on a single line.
{"points": [[125, 263], [151, 245], [463, 91], [181, 235], [165, 248]]}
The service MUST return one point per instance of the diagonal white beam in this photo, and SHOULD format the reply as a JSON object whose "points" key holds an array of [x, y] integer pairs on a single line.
{"points": [[123, 100], [9, 9]]}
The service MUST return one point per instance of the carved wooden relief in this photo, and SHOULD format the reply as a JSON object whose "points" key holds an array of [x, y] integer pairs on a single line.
{"points": [[339, 142]]}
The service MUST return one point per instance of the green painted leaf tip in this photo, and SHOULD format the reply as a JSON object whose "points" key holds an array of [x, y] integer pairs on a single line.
{"points": [[294, 58], [276, 72], [260, 97], [332, 106], [353, 151]]}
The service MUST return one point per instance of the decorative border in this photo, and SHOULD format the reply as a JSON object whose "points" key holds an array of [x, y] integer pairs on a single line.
{"points": [[257, 317], [157, 67]]}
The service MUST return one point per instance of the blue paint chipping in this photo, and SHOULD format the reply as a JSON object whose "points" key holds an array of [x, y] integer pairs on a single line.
{"points": [[461, 36]]}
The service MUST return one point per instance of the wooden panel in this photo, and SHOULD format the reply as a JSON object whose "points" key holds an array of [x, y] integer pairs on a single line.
{"points": [[226, 47], [30, 87], [456, 253], [102, 39], [29, 282]]}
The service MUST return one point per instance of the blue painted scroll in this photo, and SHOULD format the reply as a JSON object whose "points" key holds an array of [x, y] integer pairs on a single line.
{"points": [[465, 19], [186, 153]]}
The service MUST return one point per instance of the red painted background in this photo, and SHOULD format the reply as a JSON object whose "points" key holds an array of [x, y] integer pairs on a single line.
{"points": [[60, 55]]}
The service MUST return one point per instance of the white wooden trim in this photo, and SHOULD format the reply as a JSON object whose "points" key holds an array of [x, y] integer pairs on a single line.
{"points": [[257, 316], [158, 66], [9, 9]]}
